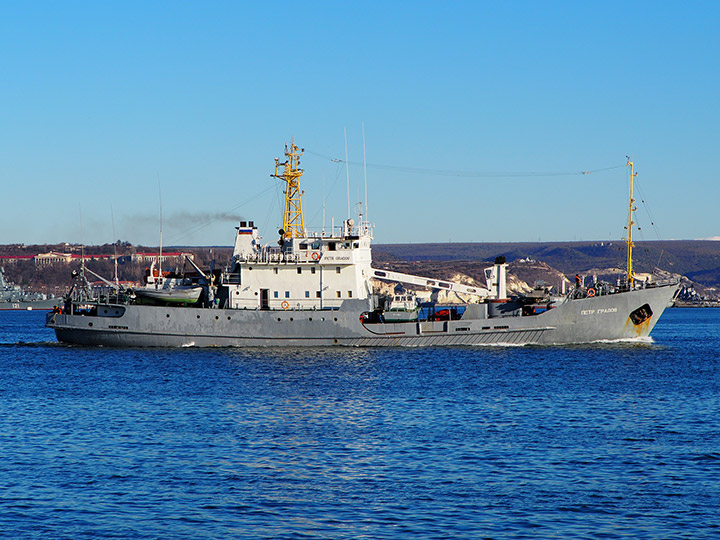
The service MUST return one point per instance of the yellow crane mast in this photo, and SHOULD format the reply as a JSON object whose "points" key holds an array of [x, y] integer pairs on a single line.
{"points": [[631, 222], [293, 225]]}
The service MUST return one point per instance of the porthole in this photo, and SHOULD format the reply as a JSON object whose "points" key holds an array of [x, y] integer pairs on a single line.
{"points": [[228, 318], [309, 318], [292, 319], [167, 315], [89, 324], [279, 319], [198, 316], [335, 319], [217, 318]]}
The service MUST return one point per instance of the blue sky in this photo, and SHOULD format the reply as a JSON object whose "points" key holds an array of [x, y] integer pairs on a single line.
{"points": [[105, 106]]}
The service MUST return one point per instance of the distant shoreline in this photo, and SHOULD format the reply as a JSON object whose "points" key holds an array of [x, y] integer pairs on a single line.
{"points": [[696, 305]]}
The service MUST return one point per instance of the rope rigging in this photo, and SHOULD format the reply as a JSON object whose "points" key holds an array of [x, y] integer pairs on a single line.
{"points": [[464, 174], [652, 223]]}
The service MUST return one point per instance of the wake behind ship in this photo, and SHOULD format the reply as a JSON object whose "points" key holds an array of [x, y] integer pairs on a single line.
{"points": [[316, 289]]}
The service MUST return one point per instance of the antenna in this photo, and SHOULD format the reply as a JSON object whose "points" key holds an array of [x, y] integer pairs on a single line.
{"points": [[112, 217], [347, 172], [82, 239], [365, 173], [161, 227]]}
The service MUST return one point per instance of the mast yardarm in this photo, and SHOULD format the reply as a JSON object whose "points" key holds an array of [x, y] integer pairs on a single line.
{"points": [[293, 225]]}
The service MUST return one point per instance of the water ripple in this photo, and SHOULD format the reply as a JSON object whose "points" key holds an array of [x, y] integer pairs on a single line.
{"points": [[600, 441]]}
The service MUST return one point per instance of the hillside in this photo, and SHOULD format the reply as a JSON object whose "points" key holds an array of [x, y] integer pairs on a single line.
{"points": [[698, 261]]}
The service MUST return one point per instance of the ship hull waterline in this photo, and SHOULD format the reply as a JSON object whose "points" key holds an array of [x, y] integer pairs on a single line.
{"points": [[573, 322]]}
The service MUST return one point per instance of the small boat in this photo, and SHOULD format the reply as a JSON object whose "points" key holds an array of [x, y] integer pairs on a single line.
{"points": [[160, 288], [402, 308], [171, 295]]}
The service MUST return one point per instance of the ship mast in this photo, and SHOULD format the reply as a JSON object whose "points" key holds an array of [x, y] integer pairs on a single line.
{"points": [[293, 225], [629, 240]]}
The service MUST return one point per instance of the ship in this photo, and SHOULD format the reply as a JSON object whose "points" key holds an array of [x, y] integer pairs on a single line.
{"points": [[316, 289], [14, 297]]}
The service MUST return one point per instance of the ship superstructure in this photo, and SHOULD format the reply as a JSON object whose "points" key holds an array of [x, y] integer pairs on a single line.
{"points": [[306, 272], [316, 289]]}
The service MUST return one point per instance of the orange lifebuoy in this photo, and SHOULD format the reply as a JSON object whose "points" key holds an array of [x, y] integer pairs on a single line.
{"points": [[591, 292], [315, 256], [285, 304]]}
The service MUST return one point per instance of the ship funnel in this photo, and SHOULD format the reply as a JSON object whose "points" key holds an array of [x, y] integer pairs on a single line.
{"points": [[247, 241], [496, 277]]}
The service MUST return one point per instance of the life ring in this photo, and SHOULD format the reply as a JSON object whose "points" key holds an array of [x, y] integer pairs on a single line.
{"points": [[315, 256], [285, 304], [591, 292]]}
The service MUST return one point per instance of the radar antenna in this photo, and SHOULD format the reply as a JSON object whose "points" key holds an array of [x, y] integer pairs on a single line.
{"points": [[293, 225]]}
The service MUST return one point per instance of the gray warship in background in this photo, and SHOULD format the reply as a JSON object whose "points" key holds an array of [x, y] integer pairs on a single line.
{"points": [[14, 297], [316, 289]]}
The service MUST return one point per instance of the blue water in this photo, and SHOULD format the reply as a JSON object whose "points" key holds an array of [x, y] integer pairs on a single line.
{"points": [[604, 441]]}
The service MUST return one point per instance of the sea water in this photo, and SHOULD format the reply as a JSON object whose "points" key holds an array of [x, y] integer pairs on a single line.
{"points": [[615, 440]]}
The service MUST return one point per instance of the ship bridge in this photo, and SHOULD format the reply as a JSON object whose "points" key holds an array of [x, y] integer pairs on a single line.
{"points": [[310, 271]]}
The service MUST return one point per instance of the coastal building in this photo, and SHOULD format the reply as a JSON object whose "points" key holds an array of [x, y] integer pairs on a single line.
{"points": [[177, 258], [53, 257]]}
